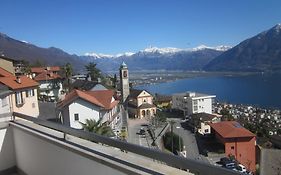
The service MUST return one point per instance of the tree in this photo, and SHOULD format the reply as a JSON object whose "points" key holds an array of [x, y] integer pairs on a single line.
{"points": [[93, 71], [97, 127], [68, 73], [173, 142]]}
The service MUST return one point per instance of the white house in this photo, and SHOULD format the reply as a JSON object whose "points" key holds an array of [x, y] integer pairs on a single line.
{"points": [[192, 102], [81, 105], [5, 105], [50, 82], [200, 122]]}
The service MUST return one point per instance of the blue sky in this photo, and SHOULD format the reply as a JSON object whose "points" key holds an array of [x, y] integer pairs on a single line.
{"points": [[116, 26]]}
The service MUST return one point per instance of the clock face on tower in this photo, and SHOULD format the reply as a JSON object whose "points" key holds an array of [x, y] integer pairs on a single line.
{"points": [[125, 74]]}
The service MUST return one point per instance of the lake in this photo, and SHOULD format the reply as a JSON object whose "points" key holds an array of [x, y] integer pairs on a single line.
{"points": [[263, 90]]}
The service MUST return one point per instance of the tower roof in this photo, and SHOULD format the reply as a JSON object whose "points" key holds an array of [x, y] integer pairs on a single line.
{"points": [[123, 65]]}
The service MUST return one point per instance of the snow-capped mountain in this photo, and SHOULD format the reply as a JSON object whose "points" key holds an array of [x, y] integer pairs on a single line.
{"points": [[168, 58], [217, 48], [157, 51]]}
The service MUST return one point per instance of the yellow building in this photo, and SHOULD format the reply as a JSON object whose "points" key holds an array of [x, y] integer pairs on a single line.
{"points": [[140, 104]]}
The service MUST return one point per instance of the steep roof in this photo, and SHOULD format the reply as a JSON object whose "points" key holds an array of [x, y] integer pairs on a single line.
{"points": [[12, 82], [84, 84], [203, 116], [5, 73], [231, 129], [135, 92], [46, 76], [101, 98]]}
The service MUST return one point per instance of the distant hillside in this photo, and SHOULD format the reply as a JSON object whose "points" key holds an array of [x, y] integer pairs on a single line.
{"points": [[259, 53], [152, 58], [159, 59], [20, 50]]}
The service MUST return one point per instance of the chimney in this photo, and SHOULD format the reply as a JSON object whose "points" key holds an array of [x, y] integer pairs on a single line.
{"points": [[89, 77], [18, 80]]}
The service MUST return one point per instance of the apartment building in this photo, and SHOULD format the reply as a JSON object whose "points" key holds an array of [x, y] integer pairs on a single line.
{"points": [[192, 102]]}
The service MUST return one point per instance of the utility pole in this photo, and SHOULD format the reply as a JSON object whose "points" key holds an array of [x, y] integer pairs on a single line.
{"points": [[172, 133]]}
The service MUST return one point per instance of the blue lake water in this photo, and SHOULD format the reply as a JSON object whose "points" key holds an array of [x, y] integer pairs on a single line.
{"points": [[260, 90]]}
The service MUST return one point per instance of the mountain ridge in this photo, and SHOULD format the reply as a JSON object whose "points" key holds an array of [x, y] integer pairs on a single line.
{"points": [[260, 53]]}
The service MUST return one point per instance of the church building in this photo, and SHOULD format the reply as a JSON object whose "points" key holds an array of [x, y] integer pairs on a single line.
{"points": [[138, 102]]}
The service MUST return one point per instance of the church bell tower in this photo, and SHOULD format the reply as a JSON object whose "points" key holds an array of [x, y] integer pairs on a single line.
{"points": [[124, 81]]}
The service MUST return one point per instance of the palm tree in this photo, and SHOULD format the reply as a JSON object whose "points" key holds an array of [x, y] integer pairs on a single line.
{"points": [[68, 73], [97, 127]]}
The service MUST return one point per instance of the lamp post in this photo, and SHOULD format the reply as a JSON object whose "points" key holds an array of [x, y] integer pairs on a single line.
{"points": [[179, 138]]}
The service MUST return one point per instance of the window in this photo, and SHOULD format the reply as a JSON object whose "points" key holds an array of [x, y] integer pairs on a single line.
{"points": [[76, 117], [232, 147], [144, 100], [206, 130], [19, 99], [30, 93], [4, 102], [125, 74]]}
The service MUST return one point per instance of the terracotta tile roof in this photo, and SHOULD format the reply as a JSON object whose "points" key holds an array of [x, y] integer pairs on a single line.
{"points": [[202, 116], [5, 73], [231, 129], [101, 98], [12, 83], [42, 69], [46, 76]]}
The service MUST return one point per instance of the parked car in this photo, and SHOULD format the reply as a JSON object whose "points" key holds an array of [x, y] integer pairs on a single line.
{"points": [[223, 161], [230, 165], [241, 168]]}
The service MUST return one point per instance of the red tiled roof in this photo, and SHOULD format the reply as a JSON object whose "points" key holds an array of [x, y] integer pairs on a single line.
{"points": [[231, 129], [42, 69], [5, 73], [11, 82], [46, 76], [100, 98]]}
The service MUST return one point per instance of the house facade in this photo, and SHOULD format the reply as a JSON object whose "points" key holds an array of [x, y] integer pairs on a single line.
{"points": [[201, 122], [238, 142], [5, 104], [81, 105], [50, 82], [140, 104], [192, 102], [23, 97]]}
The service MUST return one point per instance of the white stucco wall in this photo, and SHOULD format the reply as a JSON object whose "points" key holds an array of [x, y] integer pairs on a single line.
{"points": [[187, 104], [7, 154], [5, 108], [203, 105], [30, 106], [52, 92], [85, 110], [37, 156]]}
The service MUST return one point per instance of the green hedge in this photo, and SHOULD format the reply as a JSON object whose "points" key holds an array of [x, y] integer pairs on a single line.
{"points": [[177, 142]]}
